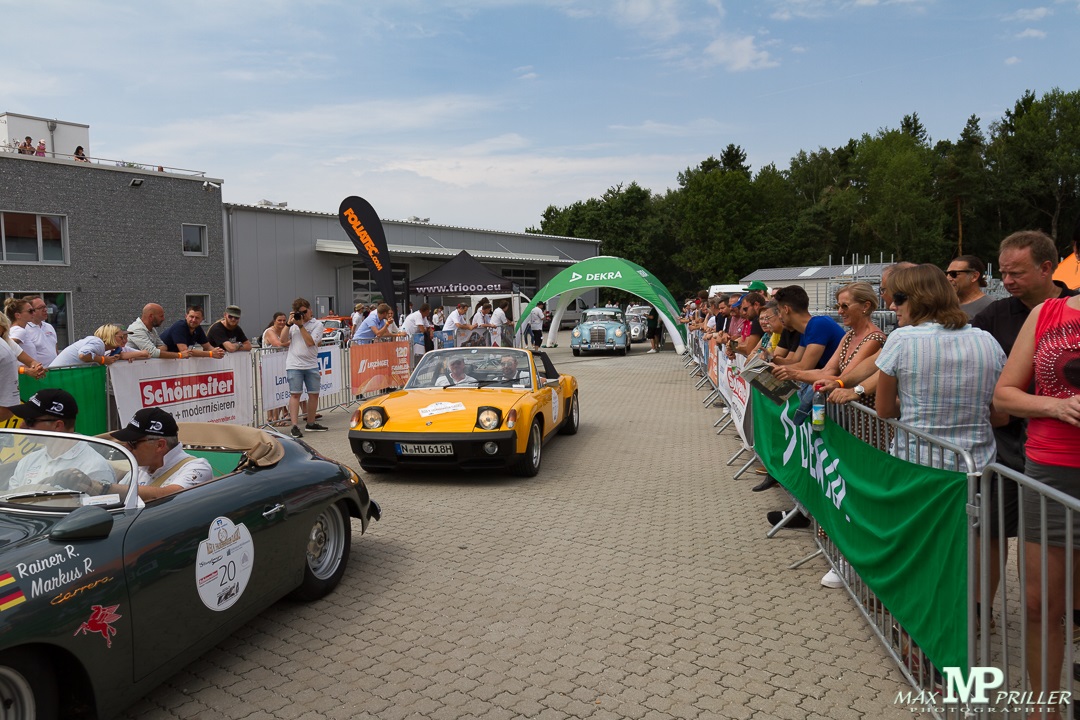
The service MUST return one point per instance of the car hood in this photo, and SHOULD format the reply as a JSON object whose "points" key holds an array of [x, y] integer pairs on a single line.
{"points": [[444, 409], [607, 325], [16, 529]]}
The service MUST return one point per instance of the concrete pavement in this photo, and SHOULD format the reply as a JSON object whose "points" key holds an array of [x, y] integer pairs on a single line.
{"points": [[630, 579]]}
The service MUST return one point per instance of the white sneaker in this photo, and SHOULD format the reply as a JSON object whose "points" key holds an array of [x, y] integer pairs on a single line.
{"points": [[832, 580], [649, 351]]}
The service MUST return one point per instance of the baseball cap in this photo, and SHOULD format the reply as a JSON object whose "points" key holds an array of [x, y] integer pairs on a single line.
{"points": [[757, 286], [148, 422], [233, 310], [47, 402]]}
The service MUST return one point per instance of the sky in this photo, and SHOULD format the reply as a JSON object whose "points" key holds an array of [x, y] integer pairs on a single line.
{"points": [[482, 113]]}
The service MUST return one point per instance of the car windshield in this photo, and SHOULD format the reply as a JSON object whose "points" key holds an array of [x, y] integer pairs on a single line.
{"points": [[602, 315], [473, 367], [60, 471], [331, 324], [638, 310]]}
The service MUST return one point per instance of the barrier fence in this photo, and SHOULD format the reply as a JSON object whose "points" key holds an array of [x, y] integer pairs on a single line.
{"points": [[241, 388], [906, 538]]}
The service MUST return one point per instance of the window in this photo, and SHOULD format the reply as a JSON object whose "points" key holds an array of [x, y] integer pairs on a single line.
{"points": [[202, 300], [194, 238], [29, 238], [58, 304], [365, 291], [526, 280]]}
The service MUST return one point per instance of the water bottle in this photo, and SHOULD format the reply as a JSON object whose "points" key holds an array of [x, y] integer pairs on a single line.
{"points": [[817, 421]]}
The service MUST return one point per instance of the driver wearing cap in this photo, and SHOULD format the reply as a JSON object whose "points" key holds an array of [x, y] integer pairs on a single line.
{"points": [[59, 462], [164, 467]]}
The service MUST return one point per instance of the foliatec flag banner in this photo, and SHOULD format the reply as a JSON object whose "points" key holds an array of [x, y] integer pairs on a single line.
{"points": [[192, 390], [362, 225], [901, 526]]}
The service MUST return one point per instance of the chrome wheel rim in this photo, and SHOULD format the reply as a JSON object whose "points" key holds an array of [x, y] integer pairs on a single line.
{"points": [[536, 445], [16, 696], [325, 543]]}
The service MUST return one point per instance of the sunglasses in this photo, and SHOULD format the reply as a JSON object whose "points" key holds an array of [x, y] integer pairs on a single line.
{"points": [[956, 273], [899, 298], [841, 306]]}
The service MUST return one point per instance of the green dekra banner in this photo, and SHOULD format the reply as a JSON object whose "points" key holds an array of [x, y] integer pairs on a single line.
{"points": [[901, 526]]}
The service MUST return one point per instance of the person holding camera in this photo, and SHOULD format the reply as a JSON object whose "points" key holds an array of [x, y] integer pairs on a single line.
{"points": [[227, 334], [301, 335]]}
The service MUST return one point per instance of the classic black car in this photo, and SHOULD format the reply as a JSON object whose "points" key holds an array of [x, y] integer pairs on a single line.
{"points": [[104, 597]]}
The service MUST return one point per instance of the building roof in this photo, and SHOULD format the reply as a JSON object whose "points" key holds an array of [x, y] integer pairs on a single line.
{"points": [[314, 213], [773, 276], [345, 247]]}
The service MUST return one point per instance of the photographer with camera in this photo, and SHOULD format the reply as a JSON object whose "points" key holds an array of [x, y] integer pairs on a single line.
{"points": [[301, 335], [227, 334]]}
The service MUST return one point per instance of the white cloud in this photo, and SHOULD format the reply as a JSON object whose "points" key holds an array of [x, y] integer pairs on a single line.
{"points": [[1029, 14], [1012, 60], [695, 128], [659, 17], [1031, 33], [738, 54]]}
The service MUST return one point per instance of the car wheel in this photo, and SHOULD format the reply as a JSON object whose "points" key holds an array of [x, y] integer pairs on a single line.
{"points": [[27, 686], [529, 463], [622, 350], [570, 424], [326, 553], [576, 352]]}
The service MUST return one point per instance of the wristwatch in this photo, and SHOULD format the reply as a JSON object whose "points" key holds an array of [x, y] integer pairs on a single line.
{"points": [[859, 390]]}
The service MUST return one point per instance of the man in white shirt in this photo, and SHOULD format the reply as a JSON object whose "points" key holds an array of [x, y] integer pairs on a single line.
{"points": [[301, 334], [498, 324], [416, 323], [456, 321], [46, 333], [60, 463], [536, 324], [164, 467]]}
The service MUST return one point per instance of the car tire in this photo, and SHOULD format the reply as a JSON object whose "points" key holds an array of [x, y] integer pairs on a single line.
{"points": [[529, 463], [27, 686], [326, 553], [622, 351], [573, 418], [576, 352]]}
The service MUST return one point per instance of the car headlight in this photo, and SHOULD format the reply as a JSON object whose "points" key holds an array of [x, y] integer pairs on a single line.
{"points": [[488, 418], [374, 418], [618, 332], [577, 333]]}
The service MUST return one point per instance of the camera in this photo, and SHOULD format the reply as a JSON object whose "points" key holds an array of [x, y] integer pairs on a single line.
{"points": [[298, 316]]}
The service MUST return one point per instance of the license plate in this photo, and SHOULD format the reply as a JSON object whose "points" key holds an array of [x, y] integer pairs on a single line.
{"points": [[425, 449]]}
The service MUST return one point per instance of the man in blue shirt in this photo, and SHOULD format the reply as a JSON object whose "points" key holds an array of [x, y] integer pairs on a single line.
{"points": [[374, 325], [820, 335], [187, 334]]}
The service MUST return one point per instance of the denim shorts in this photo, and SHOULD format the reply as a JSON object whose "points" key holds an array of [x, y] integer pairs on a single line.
{"points": [[299, 379]]}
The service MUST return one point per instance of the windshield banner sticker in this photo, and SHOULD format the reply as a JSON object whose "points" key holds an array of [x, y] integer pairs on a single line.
{"points": [[438, 408]]}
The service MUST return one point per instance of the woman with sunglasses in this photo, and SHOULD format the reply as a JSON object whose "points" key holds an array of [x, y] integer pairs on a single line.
{"points": [[104, 347], [937, 372]]}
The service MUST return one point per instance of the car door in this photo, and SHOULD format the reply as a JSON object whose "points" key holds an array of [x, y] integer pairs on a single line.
{"points": [[549, 400], [200, 559]]}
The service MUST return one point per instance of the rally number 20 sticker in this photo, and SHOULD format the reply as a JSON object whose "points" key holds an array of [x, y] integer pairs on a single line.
{"points": [[223, 564]]}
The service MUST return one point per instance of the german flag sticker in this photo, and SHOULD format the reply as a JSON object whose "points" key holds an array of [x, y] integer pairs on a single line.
{"points": [[11, 600], [6, 579]]}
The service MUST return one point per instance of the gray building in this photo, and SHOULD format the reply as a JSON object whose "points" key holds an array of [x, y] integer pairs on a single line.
{"points": [[278, 254], [99, 240]]}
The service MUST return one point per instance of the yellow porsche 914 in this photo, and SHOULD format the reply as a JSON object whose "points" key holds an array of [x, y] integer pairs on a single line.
{"points": [[468, 407]]}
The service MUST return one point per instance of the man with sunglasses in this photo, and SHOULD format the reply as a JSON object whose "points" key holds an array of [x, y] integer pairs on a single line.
{"points": [[59, 463], [164, 467], [967, 275]]}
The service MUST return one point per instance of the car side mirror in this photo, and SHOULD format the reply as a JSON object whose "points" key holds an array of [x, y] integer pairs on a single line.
{"points": [[90, 522]]}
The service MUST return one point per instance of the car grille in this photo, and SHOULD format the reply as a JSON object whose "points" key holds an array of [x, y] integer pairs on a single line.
{"points": [[597, 335]]}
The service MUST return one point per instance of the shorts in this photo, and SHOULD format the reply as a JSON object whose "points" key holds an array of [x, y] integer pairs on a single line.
{"points": [[653, 333], [1065, 479], [1010, 453], [538, 336], [299, 379]]}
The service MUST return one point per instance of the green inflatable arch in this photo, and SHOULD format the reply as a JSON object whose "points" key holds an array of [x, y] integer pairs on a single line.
{"points": [[607, 271]]}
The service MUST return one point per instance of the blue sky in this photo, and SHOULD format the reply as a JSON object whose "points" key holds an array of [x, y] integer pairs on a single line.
{"points": [[481, 113]]}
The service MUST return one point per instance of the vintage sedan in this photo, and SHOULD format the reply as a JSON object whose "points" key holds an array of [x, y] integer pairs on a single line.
{"points": [[471, 408], [103, 597], [601, 329]]}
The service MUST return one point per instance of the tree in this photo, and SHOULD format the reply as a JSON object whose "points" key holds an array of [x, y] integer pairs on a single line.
{"points": [[963, 180]]}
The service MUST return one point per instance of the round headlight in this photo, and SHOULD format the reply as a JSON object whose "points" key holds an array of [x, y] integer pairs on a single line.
{"points": [[373, 419], [577, 333], [488, 419], [618, 332]]}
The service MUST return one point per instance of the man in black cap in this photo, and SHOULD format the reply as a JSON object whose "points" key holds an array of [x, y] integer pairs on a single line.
{"points": [[164, 467], [227, 334], [59, 463]]}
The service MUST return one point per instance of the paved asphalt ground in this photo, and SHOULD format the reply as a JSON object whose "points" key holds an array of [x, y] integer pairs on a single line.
{"points": [[630, 579]]}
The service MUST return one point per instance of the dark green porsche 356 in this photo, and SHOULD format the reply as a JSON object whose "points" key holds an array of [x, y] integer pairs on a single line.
{"points": [[102, 597]]}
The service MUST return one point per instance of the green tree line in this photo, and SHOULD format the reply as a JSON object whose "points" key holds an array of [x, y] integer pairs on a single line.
{"points": [[894, 192]]}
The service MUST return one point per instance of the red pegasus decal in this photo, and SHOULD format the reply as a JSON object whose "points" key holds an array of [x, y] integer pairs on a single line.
{"points": [[101, 620]]}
